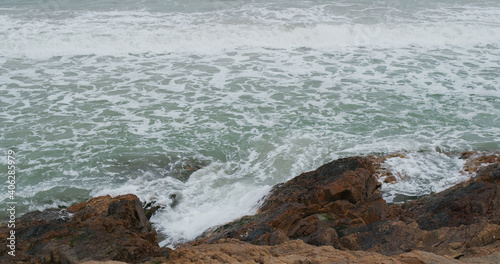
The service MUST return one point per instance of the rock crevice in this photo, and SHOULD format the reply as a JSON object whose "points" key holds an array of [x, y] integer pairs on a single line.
{"points": [[334, 214]]}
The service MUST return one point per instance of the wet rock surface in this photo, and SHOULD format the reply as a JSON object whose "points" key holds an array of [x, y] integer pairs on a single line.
{"points": [[314, 207], [102, 228], [338, 205], [475, 160], [334, 214]]}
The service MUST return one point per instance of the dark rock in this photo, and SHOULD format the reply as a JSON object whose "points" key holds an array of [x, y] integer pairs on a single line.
{"points": [[452, 223], [349, 179], [312, 207], [373, 209], [334, 207], [338, 205], [151, 208], [102, 228], [463, 204]]}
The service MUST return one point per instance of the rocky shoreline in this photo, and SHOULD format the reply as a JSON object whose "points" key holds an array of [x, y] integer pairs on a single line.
{"points": [[334, 214]]}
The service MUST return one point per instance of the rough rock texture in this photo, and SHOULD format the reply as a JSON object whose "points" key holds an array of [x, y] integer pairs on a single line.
{"points": [[312, 207], [331, 215], [476, 160], [457, 222], [103, 228], [104, 262], [380, 171], [292, 252], [464, 204], [338, 205]]}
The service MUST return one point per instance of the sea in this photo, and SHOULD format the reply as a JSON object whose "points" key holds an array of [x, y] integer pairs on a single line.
{"points": [[201, 106]]}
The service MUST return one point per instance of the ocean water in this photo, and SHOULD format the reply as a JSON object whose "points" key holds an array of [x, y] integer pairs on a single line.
{"points": [[204, 105]]}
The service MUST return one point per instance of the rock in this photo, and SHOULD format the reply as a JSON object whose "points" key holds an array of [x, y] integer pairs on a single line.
{"points": [[373, 209], [305, 220], [484, 254], [312, 207], [453, 223], [475, 160], [100, 229], [294, 251], [349, 179], [103, 262], [490, 174], [464, 204], [338, 205], [151, 208], [382, 173], [390, 179]]}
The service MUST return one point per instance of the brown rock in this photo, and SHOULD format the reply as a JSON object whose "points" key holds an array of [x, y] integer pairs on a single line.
{"points": [[334, 207], [323, 236], [373, 209], [101, 229], [338, 205], [294, 251], [311, 207], [463, 204], [103, 262], [476, 160], [456, 222], [390, 179], [348, 179], [339, 208], [304, 227]]}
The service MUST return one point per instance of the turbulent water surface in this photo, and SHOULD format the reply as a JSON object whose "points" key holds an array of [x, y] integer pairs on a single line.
{"points": [[115, 97]]}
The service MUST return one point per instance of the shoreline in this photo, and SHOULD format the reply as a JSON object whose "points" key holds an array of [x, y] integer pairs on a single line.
{"points": [[337, 206]]}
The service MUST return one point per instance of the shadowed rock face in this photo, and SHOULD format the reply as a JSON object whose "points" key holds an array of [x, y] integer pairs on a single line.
{"points": [[331, 215], [349, 179], [456, 222], [338, 205], [464, 204], [314, 207], [459, 225], [102, 228]]}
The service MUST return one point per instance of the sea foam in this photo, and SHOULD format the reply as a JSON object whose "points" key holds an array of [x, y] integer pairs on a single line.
{"points": [[116, 34], [117, 101]]}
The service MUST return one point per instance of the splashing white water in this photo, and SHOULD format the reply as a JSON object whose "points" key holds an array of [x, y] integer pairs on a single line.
{"points": [[109, 98], [422, 173]]}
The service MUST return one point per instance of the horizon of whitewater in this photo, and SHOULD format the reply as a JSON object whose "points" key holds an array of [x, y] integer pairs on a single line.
{"points": [[106, 97]]}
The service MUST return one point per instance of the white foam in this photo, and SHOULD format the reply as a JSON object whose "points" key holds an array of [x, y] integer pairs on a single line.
{"points": [[210, 197], [221, 192], [113, 33], [264, 93], [422, 173]]}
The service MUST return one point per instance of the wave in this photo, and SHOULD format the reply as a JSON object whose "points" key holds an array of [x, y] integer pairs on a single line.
{"points": [[138, 33]]}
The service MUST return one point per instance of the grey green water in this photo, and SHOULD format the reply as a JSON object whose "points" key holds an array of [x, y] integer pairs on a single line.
{"points": [[115, 97]]}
